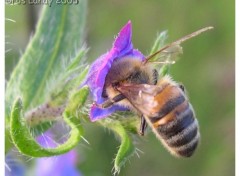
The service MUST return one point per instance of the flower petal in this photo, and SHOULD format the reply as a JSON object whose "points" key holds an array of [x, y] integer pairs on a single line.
{"points": [[122, 48], [136, 54], [97, 74], [62, 165], [13, 165], [123, 41], [99, 69], [98, 113]]}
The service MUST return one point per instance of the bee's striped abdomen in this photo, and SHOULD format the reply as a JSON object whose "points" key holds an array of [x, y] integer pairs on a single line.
{"points": [[176, 124]]}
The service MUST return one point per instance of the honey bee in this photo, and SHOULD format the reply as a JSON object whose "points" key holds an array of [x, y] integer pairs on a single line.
{"points": [[160, 103]]}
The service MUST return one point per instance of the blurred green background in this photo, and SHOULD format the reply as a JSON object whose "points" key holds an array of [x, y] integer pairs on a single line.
{"points": [[206, 69]]}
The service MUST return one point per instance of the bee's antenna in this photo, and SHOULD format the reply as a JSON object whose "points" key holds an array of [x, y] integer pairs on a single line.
{"points": [[178, 42], [163, 62]]}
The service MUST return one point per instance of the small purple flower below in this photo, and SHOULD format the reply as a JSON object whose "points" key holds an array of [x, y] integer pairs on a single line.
{"points": [[62, 165], [13, 165], [121, 48]]}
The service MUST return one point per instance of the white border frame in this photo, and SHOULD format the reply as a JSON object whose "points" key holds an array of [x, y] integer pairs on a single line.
{"points": [[2, 87]]}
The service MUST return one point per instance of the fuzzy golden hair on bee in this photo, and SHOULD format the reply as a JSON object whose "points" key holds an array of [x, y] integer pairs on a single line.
{"points": [[175, 125], [128, 71], [160, 103], [167, 110], [164, 104]]}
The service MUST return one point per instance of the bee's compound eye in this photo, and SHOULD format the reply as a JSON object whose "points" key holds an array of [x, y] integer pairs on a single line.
{"points": [[182, 87], [115, 85]]}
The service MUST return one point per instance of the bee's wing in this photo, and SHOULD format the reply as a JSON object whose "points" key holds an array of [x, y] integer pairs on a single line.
{"points": [[142, 97], [170, 51], [168, 56]]}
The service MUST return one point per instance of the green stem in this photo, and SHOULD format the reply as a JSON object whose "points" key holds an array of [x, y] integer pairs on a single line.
{"points": [[27, 145]]}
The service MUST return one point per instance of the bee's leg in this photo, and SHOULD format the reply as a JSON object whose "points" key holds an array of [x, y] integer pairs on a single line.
{"points": [[110, 102], [143, 126]]}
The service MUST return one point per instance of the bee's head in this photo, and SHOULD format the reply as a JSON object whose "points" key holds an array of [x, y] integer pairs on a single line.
{"points": [[126, 71]]}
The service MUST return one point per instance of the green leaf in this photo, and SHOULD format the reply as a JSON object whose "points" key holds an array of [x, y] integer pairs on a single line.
{"points": [[159, 42], [60, 91], [8, 142], [77, 60], [59, 34], [164, 70], [126, 148], [27, 145], [77, 99]]}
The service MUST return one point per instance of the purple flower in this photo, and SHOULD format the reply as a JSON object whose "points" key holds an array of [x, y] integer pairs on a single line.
{"points": [[62, 165], [121, 48], [13, 165]]}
